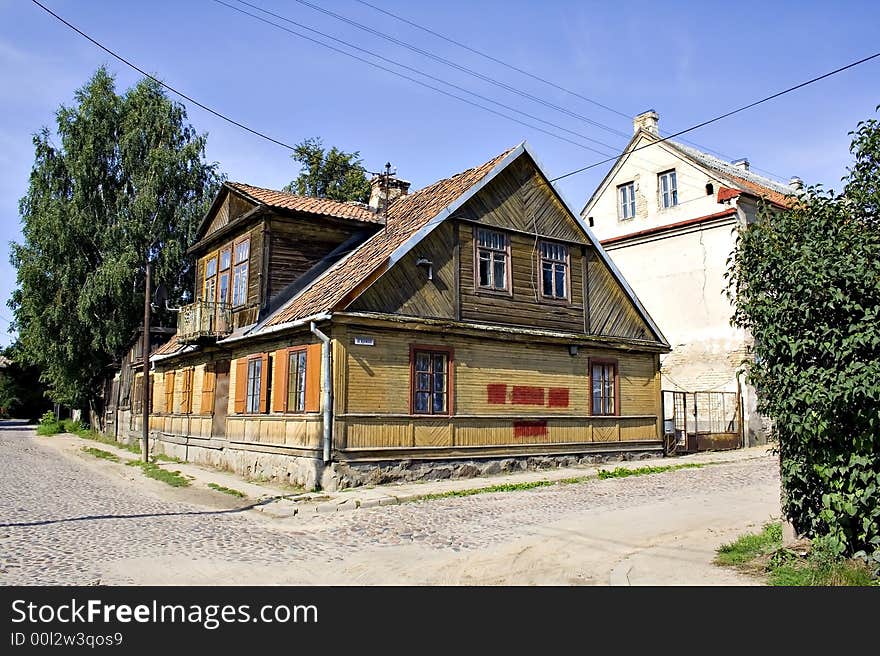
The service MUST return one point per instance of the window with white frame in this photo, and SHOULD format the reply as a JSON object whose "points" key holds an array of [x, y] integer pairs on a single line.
{"points": [[492, 257], [626, 200], [240, 272], [668, 189], [254, 381], [554, 270]]}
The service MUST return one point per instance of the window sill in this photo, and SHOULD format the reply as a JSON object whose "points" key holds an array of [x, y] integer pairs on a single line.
{"points": [[485, 291]]}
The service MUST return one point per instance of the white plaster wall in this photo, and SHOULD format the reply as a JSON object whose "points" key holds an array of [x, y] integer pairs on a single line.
{"points": [[643, 167]]}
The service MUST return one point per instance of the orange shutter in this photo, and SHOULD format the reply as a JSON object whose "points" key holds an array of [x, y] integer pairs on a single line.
{"points": [[279, 380], [313, 378], [208, 391], [169, 392], [241, 371], [264, 383]]}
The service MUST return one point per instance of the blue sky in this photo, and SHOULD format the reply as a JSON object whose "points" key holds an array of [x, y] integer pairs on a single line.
{"points": [[688, 60]]}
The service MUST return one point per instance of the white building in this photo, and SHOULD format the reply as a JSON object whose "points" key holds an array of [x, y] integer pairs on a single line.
{"points": [[667, 215]]}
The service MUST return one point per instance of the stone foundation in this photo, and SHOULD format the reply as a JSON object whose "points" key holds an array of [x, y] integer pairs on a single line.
{"points": [[343, 475]]}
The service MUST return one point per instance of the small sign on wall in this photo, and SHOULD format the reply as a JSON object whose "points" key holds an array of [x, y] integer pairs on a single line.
{"points": [[363, 340]]}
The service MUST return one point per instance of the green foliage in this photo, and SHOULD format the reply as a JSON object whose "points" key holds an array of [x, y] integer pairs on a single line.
{"points": [[22, 395], [226, 490], [100, 453], [122, 178], [623, 472], [49, 424], [332, 174], [152, 470], [806, 284], [750, 546]]}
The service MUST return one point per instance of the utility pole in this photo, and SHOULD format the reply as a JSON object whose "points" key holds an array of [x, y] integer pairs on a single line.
{"points": [[146, 382]]}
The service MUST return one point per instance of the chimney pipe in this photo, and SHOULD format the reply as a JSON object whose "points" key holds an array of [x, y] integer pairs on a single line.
{"points": [[385, 188], [648, 121]]}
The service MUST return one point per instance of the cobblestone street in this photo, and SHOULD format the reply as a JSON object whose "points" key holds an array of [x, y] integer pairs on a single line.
{"points": [[63, 520]]}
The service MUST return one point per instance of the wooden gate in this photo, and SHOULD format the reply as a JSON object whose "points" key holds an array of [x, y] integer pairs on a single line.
{"points": [[702, 421]]}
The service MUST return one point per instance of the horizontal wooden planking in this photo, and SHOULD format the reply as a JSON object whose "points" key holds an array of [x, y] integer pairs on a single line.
{"points": [[279, 431], [377, 378], [383, 432]]}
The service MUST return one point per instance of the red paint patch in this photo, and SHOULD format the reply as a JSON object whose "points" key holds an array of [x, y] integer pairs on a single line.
{"points": [[558, 397], [529, 428], [496, 394], [527, 395]]}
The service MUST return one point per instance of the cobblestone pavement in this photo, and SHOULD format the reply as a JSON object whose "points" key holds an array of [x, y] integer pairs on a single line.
{"points": [[61, 522]]}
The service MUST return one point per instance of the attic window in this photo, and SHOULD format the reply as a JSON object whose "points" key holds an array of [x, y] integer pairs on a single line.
{"points": [[710, 189], [493, 255], [240, 272]]}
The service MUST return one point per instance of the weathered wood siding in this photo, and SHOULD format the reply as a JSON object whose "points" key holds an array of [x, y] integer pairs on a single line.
{"points": [[296, 245], [504, 393], [610, 312], [405, 288], [520, 199], [525, 306], [232, 207]]}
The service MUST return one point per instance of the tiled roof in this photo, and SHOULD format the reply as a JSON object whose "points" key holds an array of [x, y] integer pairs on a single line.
{"points": [[406, 216], [752, 183], [170, 346], [287, 201]]}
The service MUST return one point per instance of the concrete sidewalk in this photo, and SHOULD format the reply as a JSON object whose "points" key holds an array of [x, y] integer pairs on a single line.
{"points": [[278, 501]]}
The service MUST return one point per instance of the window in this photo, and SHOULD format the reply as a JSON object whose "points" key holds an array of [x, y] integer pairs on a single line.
{"points": [[626, 194], [223, 286], [430, 381], [210, 288], [254, 379], [492, 258], [186, 391], [296, 381], [668, 189], [240, 273], [603, 383], [554, 270]]}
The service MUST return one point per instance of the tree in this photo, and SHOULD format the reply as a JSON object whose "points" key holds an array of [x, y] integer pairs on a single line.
{"points": [[22, 395], [127, 181], [334, 174], [807, 285]]}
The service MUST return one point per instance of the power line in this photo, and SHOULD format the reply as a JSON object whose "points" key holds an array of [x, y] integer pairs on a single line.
{"points": [[533, 76], [404, 66], [160, 82], [725, 115], [405, 77], [496, 60], [459, 67]]}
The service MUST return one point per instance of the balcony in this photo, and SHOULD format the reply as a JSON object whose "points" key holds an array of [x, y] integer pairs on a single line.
{"points": [[203, 321]]}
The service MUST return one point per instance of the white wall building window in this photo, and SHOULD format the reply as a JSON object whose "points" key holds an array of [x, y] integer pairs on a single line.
{"points": [[626, 195], [668, 189]]}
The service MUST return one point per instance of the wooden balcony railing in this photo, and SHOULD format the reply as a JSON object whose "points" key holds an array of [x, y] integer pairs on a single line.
{"points": [[203, 320]]}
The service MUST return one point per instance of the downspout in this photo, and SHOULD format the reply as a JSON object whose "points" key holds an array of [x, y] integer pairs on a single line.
{"points": [[327, 401]]}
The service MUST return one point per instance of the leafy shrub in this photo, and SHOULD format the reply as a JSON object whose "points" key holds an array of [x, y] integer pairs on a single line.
{"points": [[807, 285], [49, 424]]}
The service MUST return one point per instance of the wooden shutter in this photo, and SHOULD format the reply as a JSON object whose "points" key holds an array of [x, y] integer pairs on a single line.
{"points": [[313, 378], [241, 373], [169, 392], [264, 383], [279, 380], [208, 383]]}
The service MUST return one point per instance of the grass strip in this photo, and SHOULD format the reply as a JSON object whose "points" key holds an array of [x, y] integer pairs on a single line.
{"points": [[623, 472], [226, 490], [152, 470], [100, 453]]}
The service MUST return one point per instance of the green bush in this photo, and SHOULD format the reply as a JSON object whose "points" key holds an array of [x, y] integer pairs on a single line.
{"points": [[807, 285], [49, 424]]}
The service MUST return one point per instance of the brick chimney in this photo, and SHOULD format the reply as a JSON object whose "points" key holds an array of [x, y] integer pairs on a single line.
{"points": [[648, 121], [385, 188]]}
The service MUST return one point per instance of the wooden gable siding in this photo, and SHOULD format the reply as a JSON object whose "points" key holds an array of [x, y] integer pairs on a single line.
{"points": [[525, 306], [296, 245], [405, 289], [519, 199], [610, 312], [232, 207]]}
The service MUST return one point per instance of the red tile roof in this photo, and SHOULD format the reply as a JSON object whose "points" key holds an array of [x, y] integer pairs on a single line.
{"points": [[762, 191], [287, 201], [406, 216], [726, 193]]}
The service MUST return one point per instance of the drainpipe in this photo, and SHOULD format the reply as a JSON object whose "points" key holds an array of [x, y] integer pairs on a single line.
{"points": [[327, 401]]}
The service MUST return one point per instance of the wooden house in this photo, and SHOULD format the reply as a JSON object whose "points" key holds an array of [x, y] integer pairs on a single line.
{"points": [[472, 326]]}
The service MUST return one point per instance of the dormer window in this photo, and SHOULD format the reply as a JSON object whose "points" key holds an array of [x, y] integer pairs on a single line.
{"points": [[668, 187], [626, 200]]}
